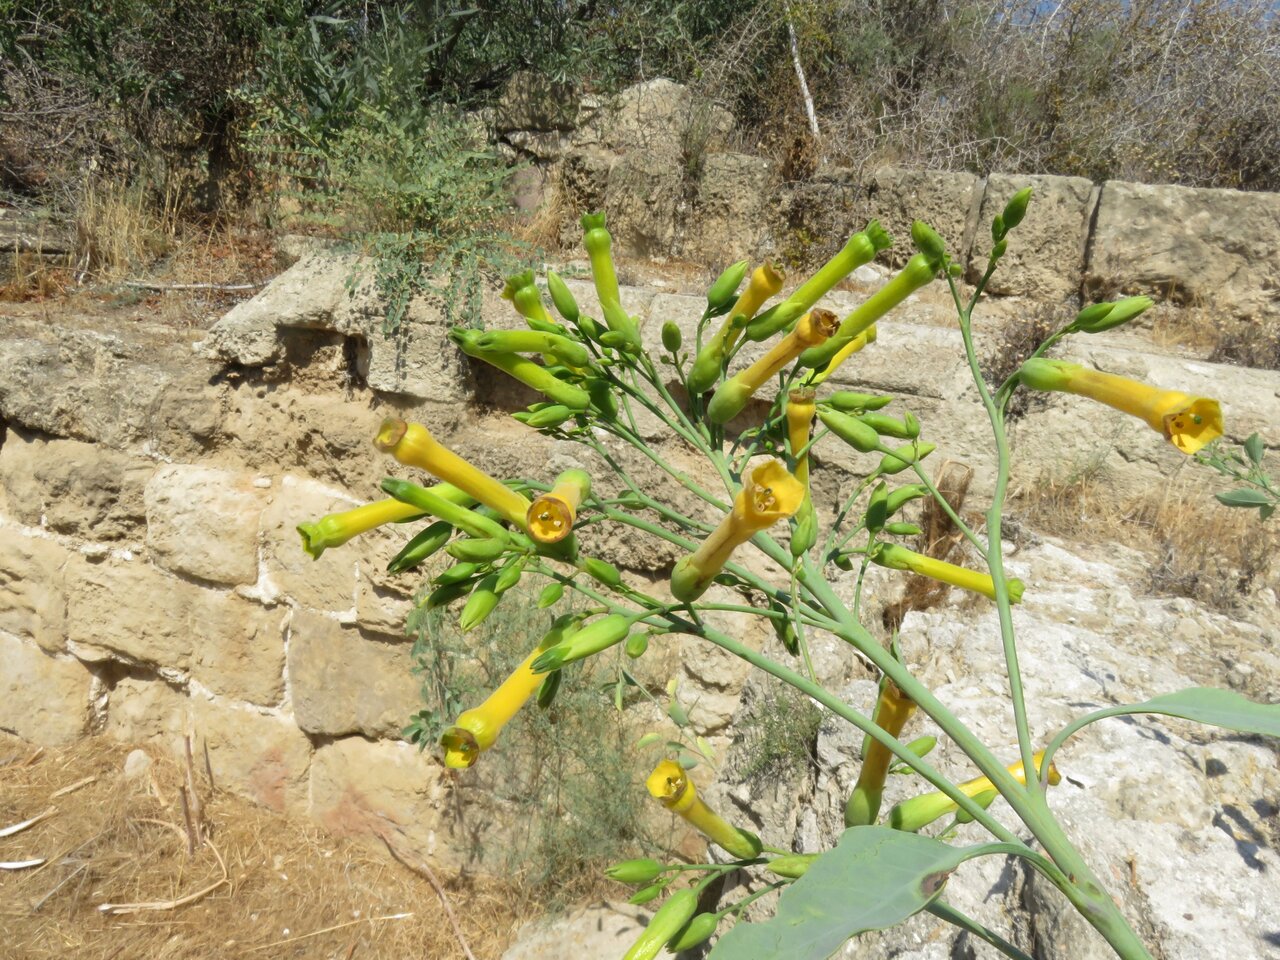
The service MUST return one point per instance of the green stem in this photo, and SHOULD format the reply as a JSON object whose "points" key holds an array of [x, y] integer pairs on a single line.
{"points": [[944, 911]]}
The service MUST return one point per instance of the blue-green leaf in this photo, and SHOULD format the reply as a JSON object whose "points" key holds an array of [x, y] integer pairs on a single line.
{"points": [[1253, 447], [874, 878], [1244, 497]]}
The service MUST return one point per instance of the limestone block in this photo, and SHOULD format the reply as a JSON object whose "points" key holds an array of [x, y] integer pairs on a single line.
{"points": [[948, 202], [731, 210], [584, 174], [641, 196], [661, 118], [340, 682], [328, 583], [132, 610], [1045, 257], [418, 360], [606, 930], [142, 710], [33, 602], [383, 600], [42, 698], [1187, 245], [203, 522], [361, 788], [72, 487], [256, 754]]}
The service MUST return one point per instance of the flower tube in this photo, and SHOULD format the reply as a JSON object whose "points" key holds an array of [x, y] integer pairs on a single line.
{"points": [[814, 328], [671, 786], [769, 495], [551, 515], [335, 529], [766, 281], [1185, 421], [900, 558], [598, 243], [523, 292], [923, 810], [413, 445], [864, 339], [800, 413], [477, 729], [893, 710]]}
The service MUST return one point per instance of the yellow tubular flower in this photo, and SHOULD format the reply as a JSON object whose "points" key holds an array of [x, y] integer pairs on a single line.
{"points": [[812, 329], [770, 494], [800, 412], [1185, 421], [335, 529], [923, 810], [766, 281], [675, 791], [476, 730], [893, 711], [900, 558], [864, 339], [413, 445], [551, 515]]}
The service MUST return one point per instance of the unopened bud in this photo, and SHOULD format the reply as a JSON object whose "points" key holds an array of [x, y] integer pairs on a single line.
{"points": [[1016, 208], [672, 338]]}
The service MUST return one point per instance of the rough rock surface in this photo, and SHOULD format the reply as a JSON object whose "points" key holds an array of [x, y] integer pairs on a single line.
{"points": [[948, 202]]}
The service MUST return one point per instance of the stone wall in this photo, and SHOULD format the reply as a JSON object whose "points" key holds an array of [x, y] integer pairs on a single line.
{"points": [[661, 164]]}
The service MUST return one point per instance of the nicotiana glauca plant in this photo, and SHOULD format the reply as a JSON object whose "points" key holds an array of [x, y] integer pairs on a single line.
{"points": [[597, 379]]}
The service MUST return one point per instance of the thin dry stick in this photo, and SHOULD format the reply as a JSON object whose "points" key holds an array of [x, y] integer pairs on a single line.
{"points": [[421, 868], [191, 827], [336, 926], [116, 909], [163, 823], [197, 808], [168, 287], [20, 864], [208, 767], [19, 827], [72, 788], [35, 907]]}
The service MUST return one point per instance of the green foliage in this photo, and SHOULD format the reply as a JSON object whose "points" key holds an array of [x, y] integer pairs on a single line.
{"points": [[779, 734]]}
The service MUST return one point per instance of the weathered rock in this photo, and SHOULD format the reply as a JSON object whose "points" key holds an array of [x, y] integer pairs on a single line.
{"points": [[732, 209], [33, 603], [203, 522], [132, 611], [532, 101], [142, 710], [661, 118], [328, 583], [340, 682], [1186, 245], [43, 699], [74, 488], [1046, 252], [584, 175], [641, 196], [256, 754], [816, 216], [364, 789], [596, 931], [418, 360], [948, 202]]}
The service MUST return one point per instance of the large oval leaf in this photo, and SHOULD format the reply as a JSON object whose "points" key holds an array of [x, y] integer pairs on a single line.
{"points": [[874, 878]]}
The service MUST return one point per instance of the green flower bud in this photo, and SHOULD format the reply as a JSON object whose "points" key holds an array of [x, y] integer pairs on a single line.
{"points": [[998, 229], [635, 872], [723, 292], [903, 529], [424, 544], [647, 894], [696, 931], [565, 305], [510, 575], [887, 426], [458, 573], [1016, 208], [787, 634], [928, 242], [706, 367], [877, 508], [999, 249], [602, 398], [636, 645], [533, 341], [594, 637], [478, 551], [901, 458], [672, 338], [851, 430], [550, 595], [922, 746], [481, 603], [603, 571], [846, 401], [1107, 316], [552, 415], [900, 496], [792, 867], [775, 319], [666, 924]]}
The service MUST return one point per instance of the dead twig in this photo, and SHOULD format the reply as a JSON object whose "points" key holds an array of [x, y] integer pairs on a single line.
{"points": [[197, 807], [19, 827], [117, 909], [336, 926], [163, 823], [419, 867], [35, 907], [20, 864], [72, 788]]}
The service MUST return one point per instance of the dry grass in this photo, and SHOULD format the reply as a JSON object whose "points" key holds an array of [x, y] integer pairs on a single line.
{"points": [[1253, 342], [33, 278], [291, 891], [1199, 549]]}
